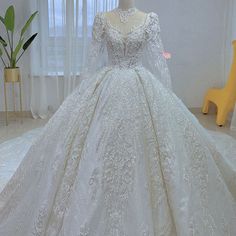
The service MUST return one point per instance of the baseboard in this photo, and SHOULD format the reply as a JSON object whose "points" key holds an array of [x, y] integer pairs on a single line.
{"points": [[197, 110], [212, 111], [17, 113]]}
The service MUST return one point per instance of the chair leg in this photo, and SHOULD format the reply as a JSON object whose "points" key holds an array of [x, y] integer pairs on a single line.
{"points": [[205, 107], [221, 117]]}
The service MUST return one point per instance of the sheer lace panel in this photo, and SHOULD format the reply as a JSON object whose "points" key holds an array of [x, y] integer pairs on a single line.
{"points": [[155, 49], [95, 57], [138, 20]]}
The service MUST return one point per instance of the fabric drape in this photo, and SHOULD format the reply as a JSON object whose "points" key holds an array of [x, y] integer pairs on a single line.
{"points": [[59, 54], [230, 35]]}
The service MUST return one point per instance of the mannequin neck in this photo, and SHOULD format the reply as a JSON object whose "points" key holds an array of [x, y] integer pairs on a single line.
{"points": [[126, 4]]}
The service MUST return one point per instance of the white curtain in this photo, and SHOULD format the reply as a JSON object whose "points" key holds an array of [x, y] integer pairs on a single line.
{"points": [[228, 50], [59, 53]]}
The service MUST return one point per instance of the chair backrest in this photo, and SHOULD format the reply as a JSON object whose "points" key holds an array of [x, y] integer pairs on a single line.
{"points": [[231, 83]]}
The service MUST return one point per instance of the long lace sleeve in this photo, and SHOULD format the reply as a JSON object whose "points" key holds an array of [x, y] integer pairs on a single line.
{"points": [[95, 58], [155, 59]]}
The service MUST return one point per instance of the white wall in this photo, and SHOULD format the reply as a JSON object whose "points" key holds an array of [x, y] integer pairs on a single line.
{"points": [[193, 31], [234, 20]]}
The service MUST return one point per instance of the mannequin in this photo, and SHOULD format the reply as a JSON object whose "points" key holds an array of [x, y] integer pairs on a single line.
{"points": [[126, 4], [135, 18]]}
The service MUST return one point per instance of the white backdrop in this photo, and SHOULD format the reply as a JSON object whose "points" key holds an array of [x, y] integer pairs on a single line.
{"points": [[193, 31]]}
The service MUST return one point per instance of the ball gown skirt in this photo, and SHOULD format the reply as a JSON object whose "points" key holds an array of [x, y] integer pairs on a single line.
{"points": [[122, 156]]}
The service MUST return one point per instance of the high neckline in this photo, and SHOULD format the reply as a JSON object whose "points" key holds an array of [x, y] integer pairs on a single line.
{"points": [[125, 14]]}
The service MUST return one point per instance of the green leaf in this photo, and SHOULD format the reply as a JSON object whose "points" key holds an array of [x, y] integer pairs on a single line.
{"points": [[27, 24], [3, 42], [1, 52], [17, 49], [29, 41], [10, 19], [2, 20]]}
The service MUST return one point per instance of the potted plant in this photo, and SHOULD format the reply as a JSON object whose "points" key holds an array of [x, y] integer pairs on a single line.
{"points": [[13, 50]]}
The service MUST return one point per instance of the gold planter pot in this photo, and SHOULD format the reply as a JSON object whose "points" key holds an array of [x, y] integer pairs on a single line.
{"points": [[12, 75]]}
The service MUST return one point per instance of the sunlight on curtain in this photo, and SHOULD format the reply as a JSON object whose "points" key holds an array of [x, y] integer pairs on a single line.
{"points": [[59, 54]]}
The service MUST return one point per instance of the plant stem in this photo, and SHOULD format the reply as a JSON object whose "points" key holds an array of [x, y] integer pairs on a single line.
{"points": [[7, 53], [8, 36], [12, 40], [12, 48], [10, 43], [20, 56], [3, 62]]}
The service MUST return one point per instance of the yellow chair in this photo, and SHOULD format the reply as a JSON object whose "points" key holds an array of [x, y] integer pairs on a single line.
{"points": [[224, 98]]}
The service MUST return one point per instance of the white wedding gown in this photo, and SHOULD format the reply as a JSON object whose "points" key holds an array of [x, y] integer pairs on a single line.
{"points": [[123, 156]]}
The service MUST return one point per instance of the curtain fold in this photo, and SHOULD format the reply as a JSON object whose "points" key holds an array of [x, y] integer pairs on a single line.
{"points": [[59, 53], [228, 50]]}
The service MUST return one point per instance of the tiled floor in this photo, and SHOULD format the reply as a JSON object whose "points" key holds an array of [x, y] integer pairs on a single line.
{"points": [[209, 122], [15, 128]]}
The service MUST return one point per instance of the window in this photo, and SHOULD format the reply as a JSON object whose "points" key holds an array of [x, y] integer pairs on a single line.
{"points": [[64, 28], [69, 27], [82, 11]]}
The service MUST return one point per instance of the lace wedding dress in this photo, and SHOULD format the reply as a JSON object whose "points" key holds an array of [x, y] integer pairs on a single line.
{"points": [[123, 156]]}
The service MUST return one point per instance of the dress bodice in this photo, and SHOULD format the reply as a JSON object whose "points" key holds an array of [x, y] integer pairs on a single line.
{"points": [[129, 51], [125, 51]]}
